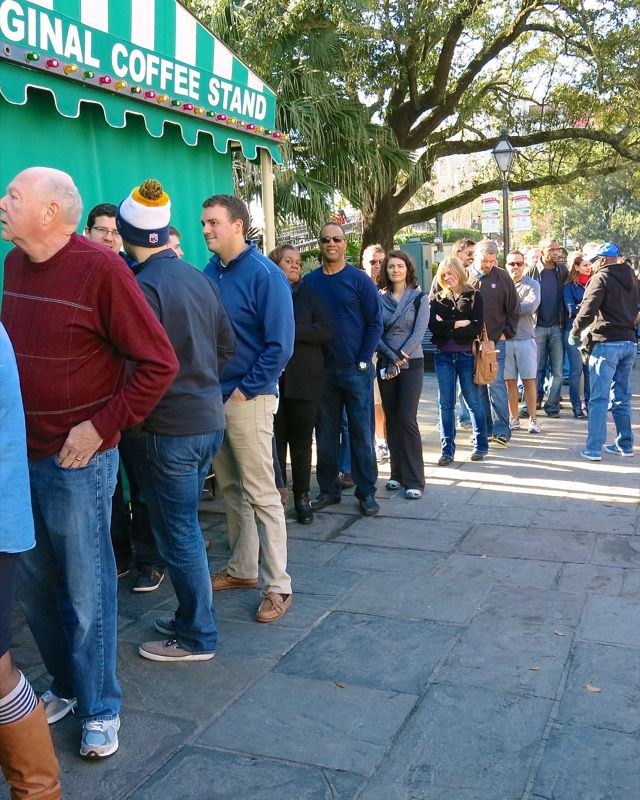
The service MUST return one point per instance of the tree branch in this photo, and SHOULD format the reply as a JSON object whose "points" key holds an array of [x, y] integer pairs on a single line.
{"points": [[462, 198], [614, 140], [449, 102]]}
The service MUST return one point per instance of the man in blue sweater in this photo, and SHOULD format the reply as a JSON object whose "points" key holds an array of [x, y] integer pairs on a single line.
{"points": [[257, 298], [352, 300]]}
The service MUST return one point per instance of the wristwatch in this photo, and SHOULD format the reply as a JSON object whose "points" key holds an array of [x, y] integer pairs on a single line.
{"points": [[362, 365]]}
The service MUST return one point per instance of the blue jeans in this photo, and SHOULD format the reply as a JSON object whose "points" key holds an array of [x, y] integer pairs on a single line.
{"points": [[352, 389], [610, 366], [68, 583], [495, 400], [171, 471], [550, 352], [576, 368], [450, 366]]}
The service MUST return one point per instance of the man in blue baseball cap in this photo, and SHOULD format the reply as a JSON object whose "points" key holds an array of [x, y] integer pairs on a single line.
{"points": [[610, 311]]}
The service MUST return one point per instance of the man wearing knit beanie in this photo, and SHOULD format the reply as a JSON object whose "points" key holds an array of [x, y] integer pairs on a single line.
{"points": [[185, 430], [143, 217]]}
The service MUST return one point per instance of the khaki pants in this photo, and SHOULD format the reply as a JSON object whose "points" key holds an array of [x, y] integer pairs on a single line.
{"points": [[244, 473]]}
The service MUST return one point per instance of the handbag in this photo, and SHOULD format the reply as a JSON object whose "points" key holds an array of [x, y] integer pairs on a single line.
{"points": [[485, 359]]}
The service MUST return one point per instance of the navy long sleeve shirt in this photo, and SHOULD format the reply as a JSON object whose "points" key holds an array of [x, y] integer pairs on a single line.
{"points": [[352, 300]]}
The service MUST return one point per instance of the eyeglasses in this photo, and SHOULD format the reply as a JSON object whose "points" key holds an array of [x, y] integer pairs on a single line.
{"points": [[328, 239], [105, 231], [515, 263]]}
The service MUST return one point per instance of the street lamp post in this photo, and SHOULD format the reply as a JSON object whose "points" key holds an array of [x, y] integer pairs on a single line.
{"points": [[504, 154]]}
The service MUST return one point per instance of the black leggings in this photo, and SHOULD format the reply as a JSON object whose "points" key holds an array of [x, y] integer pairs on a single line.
{"points": [[400, 398], [8, 580], [293, 426]]}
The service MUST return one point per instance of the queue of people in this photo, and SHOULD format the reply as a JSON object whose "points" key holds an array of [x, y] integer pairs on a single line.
{"points": [[178, 368]]}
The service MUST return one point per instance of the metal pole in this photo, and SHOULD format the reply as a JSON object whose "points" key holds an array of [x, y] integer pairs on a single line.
{"points": [[505, 216], [266, 174]]}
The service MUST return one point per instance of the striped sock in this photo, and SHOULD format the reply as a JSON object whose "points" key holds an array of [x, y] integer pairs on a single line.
{"points": [[19, 703]]}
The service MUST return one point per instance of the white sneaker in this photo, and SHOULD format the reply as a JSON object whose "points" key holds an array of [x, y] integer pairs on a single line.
{"points": [[99, 738], [514, 423], [55, 708], [382, 452], [533, 426]]}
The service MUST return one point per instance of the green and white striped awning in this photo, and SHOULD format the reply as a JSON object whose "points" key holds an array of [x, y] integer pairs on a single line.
{"points": [[150, 57]]}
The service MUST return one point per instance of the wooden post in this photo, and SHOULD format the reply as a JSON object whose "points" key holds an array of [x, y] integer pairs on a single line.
{"points": [[266, 172]]}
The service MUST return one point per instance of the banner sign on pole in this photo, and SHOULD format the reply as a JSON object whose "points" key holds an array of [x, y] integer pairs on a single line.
{"points": [[521, 208], [491, 213]]}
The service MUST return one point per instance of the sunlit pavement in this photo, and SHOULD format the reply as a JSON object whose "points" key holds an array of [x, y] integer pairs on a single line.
{"points": [[482, 643]]}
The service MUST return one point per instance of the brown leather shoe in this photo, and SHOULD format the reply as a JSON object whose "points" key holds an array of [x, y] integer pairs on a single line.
{"points": [[222, 580], [273, 607]]}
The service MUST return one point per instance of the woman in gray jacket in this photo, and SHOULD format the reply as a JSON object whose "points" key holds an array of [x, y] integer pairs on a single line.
{"points": [[405, 313]]}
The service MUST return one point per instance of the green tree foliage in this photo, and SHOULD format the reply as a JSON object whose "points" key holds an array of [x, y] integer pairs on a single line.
{"points": [[374, 92]]}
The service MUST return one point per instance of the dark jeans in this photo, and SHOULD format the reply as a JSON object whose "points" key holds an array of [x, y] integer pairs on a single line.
{"points": [[400, 398], [172, 471], [293, 426], [550, 345], [120, 524], [345, 446], [8, 582], [138, 530], [353, 389]]}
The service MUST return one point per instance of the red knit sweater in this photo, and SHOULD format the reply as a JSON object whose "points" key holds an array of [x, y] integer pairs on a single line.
{"points": [[75, 320]]}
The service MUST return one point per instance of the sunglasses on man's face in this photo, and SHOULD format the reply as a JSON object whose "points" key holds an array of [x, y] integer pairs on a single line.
{"points": [[329, 239], [515, 263]]}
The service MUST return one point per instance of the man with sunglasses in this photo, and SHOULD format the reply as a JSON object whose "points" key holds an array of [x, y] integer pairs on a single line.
{"points": [[352, 300]]}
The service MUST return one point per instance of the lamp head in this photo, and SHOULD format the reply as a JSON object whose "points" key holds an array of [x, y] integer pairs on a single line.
{"points": [[504, 154]]}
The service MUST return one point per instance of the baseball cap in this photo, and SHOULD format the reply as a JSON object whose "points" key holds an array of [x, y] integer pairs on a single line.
{"points": [[606, 250]]}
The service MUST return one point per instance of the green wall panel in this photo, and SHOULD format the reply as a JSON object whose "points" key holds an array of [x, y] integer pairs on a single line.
{"points": [[106, 163]]}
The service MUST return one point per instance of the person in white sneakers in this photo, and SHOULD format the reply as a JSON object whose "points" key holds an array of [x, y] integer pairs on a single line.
{"points": [[521, 356]]}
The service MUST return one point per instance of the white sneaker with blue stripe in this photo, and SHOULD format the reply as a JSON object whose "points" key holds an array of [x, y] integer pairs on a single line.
{"points": [[99, 737]]}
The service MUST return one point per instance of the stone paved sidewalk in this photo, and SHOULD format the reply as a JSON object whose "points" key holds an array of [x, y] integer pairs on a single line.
{"points": [[480, 644]]}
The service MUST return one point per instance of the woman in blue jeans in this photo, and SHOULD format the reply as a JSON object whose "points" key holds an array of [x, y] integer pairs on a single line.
{"points": [[573, 292], [455, 320]]}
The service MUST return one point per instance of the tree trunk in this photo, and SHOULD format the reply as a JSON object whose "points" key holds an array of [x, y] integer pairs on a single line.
{"points": [[380, 224]]}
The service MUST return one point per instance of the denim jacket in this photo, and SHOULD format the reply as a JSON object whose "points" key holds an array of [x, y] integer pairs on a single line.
{"points": [[403, 328]]}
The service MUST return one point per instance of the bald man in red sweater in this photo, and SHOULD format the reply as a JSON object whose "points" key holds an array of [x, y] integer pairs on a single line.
{"points": [[76, 317]]}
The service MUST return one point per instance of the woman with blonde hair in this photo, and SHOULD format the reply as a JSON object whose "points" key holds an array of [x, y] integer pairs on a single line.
{"points": [[455, 320]]}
